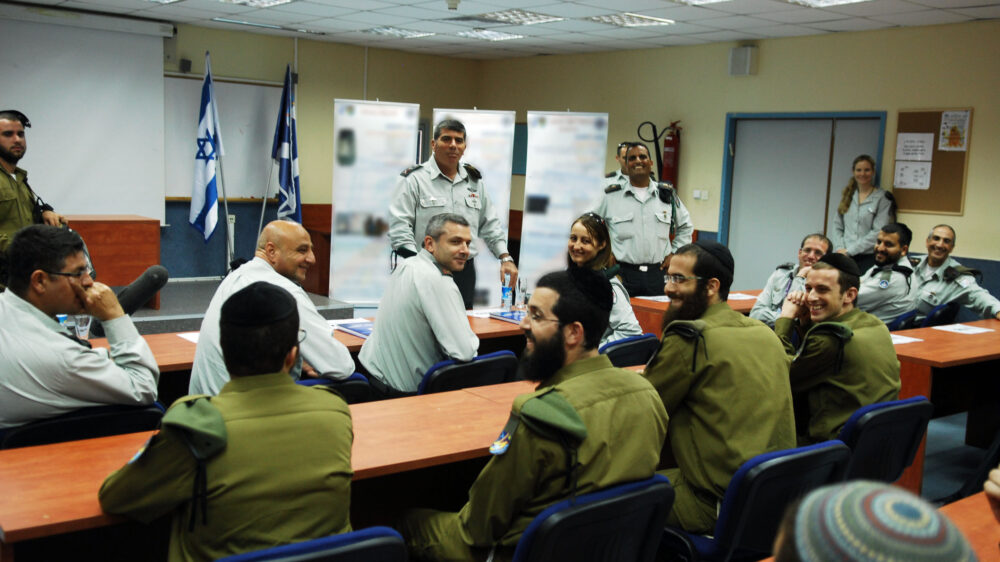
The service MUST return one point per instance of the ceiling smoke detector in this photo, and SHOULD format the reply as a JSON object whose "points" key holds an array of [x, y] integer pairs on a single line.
{"points": [[452, 4]]}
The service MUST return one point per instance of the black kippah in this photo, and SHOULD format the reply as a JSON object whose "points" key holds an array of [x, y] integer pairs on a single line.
{"points": [[720, 253], [257, 304], [594, 285], [842, 262]]}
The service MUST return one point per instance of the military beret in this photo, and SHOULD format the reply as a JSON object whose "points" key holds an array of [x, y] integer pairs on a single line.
{"points": [[842, 262], [257, 304]]}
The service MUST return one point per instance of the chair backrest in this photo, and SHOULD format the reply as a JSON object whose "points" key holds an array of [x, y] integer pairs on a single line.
{"points": [[904, 321], [623, 522], [355, 388], [374, 544], [492, 368], [941, 314], [633, 350], [884, 437], [85, 423], [762, 488]]}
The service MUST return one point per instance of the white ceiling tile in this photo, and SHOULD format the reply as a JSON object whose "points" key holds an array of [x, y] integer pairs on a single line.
{"points": [[750, 6], [689, 28], [631, 32], [336, 24], [168, 11], [677, 40], [107, 8], [312, 9], [214, 6], [576, 25], [956, 3], [572, 10], [271, 16], [875, 8], [627, 5], [354, 4], [784, 31], [927, 17], [375, 18], [727, 35], [852, 24], [687, 13], [735, 22], [801, 15], [982, 12]]}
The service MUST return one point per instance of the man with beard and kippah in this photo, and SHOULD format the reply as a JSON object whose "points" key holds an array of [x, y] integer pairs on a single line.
{"points": [[588, 426], [846, 359], [723, 379]]}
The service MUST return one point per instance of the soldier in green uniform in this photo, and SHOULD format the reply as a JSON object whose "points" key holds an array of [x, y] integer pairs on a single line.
{"points": [[846, 359], [723, 379], [269, 461], [588, 426]]}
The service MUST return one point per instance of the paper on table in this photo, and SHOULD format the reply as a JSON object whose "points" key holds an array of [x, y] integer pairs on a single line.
{"points": [[190, 336], [962, 329], [898, 339], [741, 297], [657, 298], [483, 312], [339, 321]]}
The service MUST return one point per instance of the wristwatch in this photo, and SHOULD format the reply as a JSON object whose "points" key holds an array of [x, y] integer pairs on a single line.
{"points": [[506, 258]]}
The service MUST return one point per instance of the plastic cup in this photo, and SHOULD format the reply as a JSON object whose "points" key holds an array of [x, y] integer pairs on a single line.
{"points": [[82, 326]]}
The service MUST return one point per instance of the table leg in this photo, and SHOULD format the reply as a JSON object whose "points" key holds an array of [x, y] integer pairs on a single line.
{"points": [[6, 552], [915, 381]]}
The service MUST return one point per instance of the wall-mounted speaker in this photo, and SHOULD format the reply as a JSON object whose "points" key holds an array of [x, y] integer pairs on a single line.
{"points": [[743, 61]]}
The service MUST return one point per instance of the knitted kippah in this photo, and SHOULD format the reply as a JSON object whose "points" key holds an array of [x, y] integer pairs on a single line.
{"points": [[863, 520], [594, 285], [257, 304], [841, 262]]}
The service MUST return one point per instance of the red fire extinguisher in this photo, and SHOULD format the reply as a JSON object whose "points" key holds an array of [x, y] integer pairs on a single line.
{"points": [[671, 154]]}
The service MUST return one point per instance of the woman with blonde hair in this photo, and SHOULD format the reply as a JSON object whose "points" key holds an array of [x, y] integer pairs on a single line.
{"points": [[864, 209], [590, 246]]}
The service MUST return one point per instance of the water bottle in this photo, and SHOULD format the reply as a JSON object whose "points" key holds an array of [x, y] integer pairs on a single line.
{"points": [[506, 293], [522, 294]]}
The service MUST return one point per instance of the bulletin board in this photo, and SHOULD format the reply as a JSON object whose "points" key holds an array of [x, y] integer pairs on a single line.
{"points": [[944, 194]]}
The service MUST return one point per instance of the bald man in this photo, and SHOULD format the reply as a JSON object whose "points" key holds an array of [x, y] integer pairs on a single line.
{"points": [[284, 255]]}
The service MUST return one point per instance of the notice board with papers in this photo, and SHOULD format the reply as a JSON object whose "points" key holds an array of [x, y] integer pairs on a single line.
{"points": [[934, 181]]}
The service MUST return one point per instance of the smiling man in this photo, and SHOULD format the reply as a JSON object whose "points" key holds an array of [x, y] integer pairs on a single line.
{"points": [[886, 289], [283, 257], [442, 185], [788, 278], [642, 215], [939, 279], [723, 379], [44, 370], [588, 426], [421, 319], [846, 359]]}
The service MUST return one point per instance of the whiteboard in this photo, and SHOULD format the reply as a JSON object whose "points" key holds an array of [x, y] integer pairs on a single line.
{"points": [[95, 100], [248, 114]]}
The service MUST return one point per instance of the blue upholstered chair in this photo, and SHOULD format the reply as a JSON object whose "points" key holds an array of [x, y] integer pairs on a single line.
{"points": [[374, 544], [85, 423], [491, 368], [884, 437], [941, 314], [354, 388], [904, 321], [756, 500], [623, 522], [633, 350]]}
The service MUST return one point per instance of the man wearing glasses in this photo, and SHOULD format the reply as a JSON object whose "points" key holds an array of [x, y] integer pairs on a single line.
{"points": [[723, 379], [44, 370], [588, 426], [788, 278], [283, 257]]}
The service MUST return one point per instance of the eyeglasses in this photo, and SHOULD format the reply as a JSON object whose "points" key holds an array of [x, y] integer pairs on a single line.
{"points": [[75, 274], [536, 317], [678, 279], [594, 216]]}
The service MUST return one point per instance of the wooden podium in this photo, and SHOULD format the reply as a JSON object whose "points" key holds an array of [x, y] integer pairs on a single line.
{"points": [[121, 246]]}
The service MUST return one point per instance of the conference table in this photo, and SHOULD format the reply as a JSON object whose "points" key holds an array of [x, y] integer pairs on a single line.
{"points": [[973, 516], [649, 312], [52, 489], [945, 361]]}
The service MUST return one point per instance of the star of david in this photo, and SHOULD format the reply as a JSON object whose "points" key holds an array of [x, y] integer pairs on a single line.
{"points": [[204, 143]]}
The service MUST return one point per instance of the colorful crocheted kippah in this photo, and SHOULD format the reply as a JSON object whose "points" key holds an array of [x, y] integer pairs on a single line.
{"points": [[864, 520]]}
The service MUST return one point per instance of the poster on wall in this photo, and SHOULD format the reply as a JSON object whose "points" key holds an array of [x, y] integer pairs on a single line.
{"points": [[372, 143], [954, 134], [489, 148], [563, 179]]}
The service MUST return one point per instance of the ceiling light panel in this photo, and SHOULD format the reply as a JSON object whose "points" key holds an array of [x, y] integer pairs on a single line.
{"points": [[258, 3], [519, 17], [397, 32], [628, 19], [488, 35], [826, 3]]}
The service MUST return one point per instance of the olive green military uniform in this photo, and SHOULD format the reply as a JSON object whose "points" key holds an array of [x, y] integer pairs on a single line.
{"points": [[278, 469], [622, 425], [16, 206], [842, 365], [724, 381]]}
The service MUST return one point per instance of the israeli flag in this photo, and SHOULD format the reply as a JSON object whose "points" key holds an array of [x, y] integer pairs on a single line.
{"points": [[286, 151], [204, 213]]}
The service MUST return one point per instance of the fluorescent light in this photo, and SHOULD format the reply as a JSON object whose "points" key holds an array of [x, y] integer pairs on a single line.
{"points": [[700, 2], [825, 3], [163, 1], [257, 3], [628, 19], [250, 23], [519, 17], [396, 32], [488, 35]]}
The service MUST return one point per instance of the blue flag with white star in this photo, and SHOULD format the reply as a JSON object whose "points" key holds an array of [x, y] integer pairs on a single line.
{"points": [[204, 213], [286, 152]]}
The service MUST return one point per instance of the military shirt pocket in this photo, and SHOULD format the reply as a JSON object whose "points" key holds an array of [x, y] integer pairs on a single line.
{"points": [[430, 202], [663, 224], [473, 201], [623, 227]]}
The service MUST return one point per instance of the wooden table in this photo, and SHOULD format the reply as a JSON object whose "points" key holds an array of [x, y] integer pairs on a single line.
{"points": [[974, 518], [121, 246], [52, 489], [650, 313], [921, 361]]}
